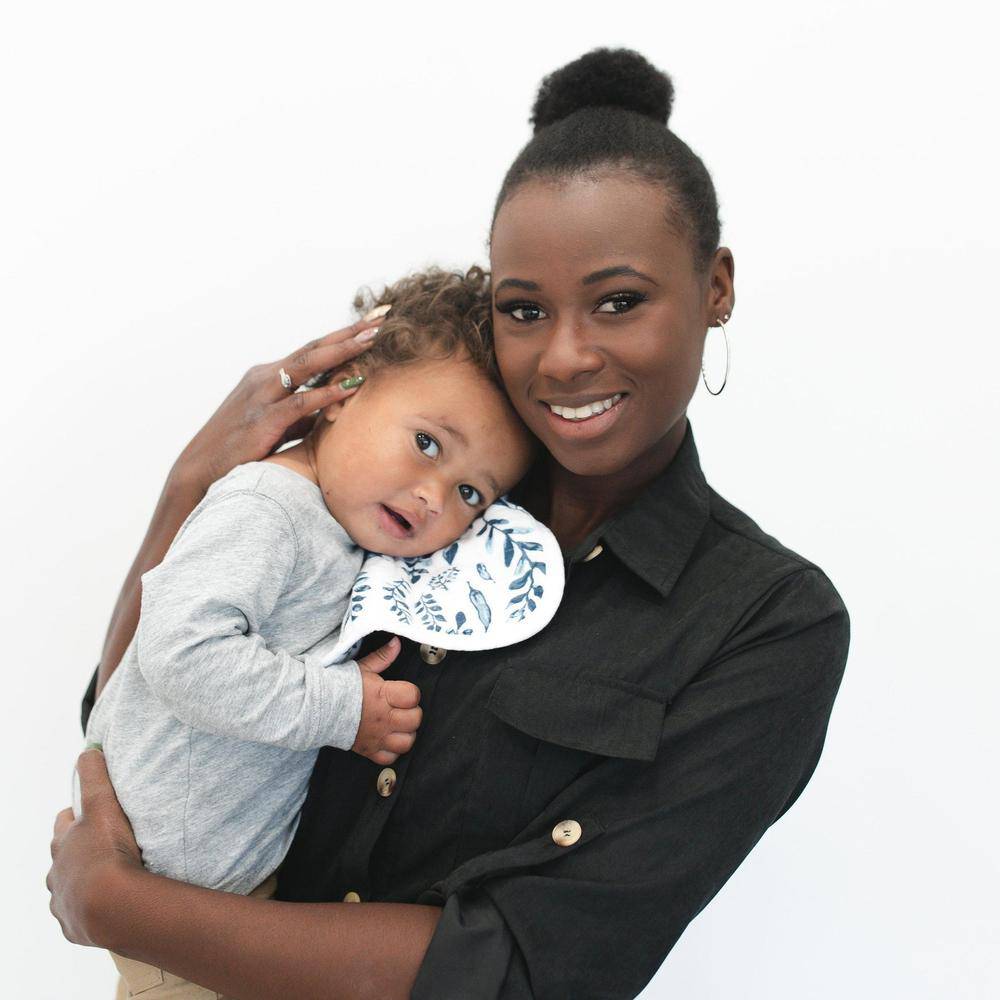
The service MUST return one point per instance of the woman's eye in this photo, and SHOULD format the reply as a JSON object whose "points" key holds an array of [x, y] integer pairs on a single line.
{"points": [[523, 312], [620, 302], [470, 495], [427, 444]]}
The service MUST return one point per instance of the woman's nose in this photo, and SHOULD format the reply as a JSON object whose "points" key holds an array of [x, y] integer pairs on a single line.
{"points": [[568, 353]]}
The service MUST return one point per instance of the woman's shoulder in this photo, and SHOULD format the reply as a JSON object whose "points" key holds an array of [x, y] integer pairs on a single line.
{"points": [[738, 530], [764, 566]]}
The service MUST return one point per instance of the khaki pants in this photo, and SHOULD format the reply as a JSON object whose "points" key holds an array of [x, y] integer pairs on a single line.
{"points": [[146, 981]]}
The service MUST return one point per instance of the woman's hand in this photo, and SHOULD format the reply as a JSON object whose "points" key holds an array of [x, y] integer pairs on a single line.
{"points": [[239, 946], [93, 855], [260, 415]]}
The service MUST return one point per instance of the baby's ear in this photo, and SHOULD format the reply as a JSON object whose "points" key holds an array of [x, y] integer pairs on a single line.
{"points": [[332, 410]]}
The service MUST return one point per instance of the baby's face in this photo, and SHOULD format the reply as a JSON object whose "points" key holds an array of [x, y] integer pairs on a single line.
{"points": [[417, 453]]}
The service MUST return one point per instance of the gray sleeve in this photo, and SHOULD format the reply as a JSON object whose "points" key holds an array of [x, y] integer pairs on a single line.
{"points": [[198, 644]]}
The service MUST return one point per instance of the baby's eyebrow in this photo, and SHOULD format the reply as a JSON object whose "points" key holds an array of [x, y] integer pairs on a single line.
{"points": [[486, 475], [454, 432], [459, 436]]}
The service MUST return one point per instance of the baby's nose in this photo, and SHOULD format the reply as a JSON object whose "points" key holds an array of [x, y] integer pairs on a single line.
{"points": [[432, 496]]}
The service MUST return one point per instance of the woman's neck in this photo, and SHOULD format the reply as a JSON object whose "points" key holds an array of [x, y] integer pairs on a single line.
{"points": [[574, 505]]}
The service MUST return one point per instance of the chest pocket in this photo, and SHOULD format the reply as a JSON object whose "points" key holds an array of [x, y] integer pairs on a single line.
{"points": [[594, 714], [541, 732]]}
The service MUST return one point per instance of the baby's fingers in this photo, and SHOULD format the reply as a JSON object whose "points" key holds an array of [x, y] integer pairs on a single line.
{"points": [[399, 742], [405, 720], [401, 694]]}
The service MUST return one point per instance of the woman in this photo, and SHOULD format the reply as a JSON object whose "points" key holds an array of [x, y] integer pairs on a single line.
{"points": [[573, 802]]}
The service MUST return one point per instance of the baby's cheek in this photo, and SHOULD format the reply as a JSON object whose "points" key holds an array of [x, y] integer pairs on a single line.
{"points": [[446, 533]]}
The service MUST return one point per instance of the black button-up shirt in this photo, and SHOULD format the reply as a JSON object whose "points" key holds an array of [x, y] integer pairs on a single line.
{"points": [[674, 708]]}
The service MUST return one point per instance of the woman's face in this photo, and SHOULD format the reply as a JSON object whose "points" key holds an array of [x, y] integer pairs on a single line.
{"points": [[600, 320]]}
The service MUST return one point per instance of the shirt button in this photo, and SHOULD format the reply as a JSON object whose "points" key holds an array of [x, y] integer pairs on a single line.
{"points": [[594, 553], [567, 833], [432, 654], [352, 897], [386, 782]]}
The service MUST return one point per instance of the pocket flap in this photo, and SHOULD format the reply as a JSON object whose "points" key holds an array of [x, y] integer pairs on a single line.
{"points": [[596, 714]]}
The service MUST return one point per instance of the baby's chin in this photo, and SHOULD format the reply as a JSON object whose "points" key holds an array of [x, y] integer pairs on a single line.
{"points": [[416, 547]]}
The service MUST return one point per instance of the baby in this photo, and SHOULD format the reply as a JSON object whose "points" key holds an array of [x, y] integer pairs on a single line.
{"points": [[212, 722]]}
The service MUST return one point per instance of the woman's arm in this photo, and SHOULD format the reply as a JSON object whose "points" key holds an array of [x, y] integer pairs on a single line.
{"points": [[592, 915], [256, 949], [591, 918], [257, 417]]}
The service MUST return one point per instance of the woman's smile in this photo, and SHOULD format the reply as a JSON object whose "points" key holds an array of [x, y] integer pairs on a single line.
{"points": [[585, 420]]}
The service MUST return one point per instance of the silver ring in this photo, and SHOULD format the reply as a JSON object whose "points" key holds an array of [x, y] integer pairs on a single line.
{"points": [[286, 379]]}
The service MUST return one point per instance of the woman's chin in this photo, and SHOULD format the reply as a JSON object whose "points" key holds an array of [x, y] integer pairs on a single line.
{"points": [[588, 461]]}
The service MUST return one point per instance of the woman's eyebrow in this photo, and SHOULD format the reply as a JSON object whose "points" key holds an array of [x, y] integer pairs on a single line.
{"points": [[623, 270], [528, 286]]}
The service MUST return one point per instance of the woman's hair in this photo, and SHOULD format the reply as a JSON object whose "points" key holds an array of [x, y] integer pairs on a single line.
{"points": [[435, 314], [608, 110]]}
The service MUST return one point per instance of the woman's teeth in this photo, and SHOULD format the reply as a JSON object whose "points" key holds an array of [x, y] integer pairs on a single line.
{"points": [[585, 412]]}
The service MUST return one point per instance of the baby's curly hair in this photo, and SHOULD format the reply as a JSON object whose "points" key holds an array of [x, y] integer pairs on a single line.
{"points": [[435, 314]]}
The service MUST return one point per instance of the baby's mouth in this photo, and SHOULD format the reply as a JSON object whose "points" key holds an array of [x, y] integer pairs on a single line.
{"points": [[398, 518]]}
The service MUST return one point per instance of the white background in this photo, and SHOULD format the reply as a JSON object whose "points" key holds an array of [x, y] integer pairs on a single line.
{"points": [[188, 189]]}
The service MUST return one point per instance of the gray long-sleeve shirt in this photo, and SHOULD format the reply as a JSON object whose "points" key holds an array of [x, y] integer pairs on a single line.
{"points": [[212, 722]]}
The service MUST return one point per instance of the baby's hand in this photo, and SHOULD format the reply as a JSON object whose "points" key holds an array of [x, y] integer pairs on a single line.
{"points": [[390, 712]]}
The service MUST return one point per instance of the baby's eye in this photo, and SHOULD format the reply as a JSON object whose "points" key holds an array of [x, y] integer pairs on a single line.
{"points": [[620, 302], [427, 444], [470, 495]]}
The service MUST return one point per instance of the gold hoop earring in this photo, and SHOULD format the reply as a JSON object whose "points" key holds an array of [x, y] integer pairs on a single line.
{"points": [[726, 376]]}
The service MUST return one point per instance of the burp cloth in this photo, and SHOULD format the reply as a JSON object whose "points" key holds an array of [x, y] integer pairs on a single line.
{"points": [[499, 584]]}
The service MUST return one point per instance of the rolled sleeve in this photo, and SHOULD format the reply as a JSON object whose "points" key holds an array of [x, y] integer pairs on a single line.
{"points": [[472, 954], [596, 919]]}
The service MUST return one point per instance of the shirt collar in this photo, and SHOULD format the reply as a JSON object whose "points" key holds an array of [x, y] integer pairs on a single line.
{"points": [[655, 535]]}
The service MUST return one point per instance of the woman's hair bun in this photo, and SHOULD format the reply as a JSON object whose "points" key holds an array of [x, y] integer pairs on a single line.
{"points": [[602, 78]]}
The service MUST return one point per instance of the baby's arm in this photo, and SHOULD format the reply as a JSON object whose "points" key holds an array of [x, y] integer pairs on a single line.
{"points": [[198, 640]]}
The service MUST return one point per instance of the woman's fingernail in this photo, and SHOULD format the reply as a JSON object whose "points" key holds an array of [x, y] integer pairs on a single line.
{"points": [[94, 746], [366, 335], [352, 382], [377, 312]]}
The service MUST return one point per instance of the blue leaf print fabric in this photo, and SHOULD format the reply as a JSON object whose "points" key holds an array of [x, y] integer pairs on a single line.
{"points": [[499, 584]]}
